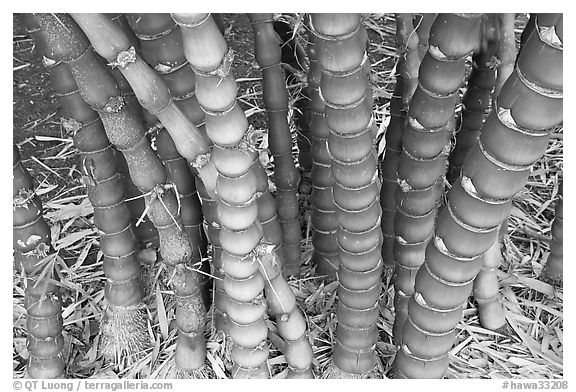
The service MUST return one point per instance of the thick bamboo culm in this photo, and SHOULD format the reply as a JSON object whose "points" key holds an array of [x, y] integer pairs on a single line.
{"points": [[407, 45], [477, 100], [425, 148], [514, 136], [553, 270], [323, 216], [227, 127], [32, 256], [161, 48], [124, 328], [269, 56], [340, 41], [127, 133]]}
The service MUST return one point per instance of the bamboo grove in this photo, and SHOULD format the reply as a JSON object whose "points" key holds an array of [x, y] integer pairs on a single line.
{"points": [[171, 162]]}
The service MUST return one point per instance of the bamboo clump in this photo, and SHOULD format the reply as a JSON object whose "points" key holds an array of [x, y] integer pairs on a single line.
{"points": [[513, 137]]}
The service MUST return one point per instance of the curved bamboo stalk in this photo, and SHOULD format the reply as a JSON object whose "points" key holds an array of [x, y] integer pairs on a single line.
{"points": [[514, 136], [289, 320], [553, 271], [126, 132], [269, 56], [341, 50], [227, 127], [34, 256], [425, 147]]}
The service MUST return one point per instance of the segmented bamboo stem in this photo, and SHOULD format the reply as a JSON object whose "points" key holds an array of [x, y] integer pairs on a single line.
{"points": [[513, 137], [269, 56], [124, 328], [477, 100], [425, 148], [33, 255], [408, 46], [341, 50], [236, 200]]}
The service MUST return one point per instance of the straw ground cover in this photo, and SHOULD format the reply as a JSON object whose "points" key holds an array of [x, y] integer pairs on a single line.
{"points": [[532, 347]]}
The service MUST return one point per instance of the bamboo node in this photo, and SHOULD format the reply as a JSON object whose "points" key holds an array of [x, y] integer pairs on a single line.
{"points": [[23, 198], [541, 90], [114, 104], [71, 125], [124, 58], [200, 160], [40, 251], [249, 141], [48, 62], [404, 186]]}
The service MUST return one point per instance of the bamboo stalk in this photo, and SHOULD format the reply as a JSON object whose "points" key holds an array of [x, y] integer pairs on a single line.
{"points": [[477, 100], [527, 110], [289, 320], [425, 147], [268, 56], [341, 45], [227, 127], [33, 255], [324, 224], [408, 46], [124, 328]]}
